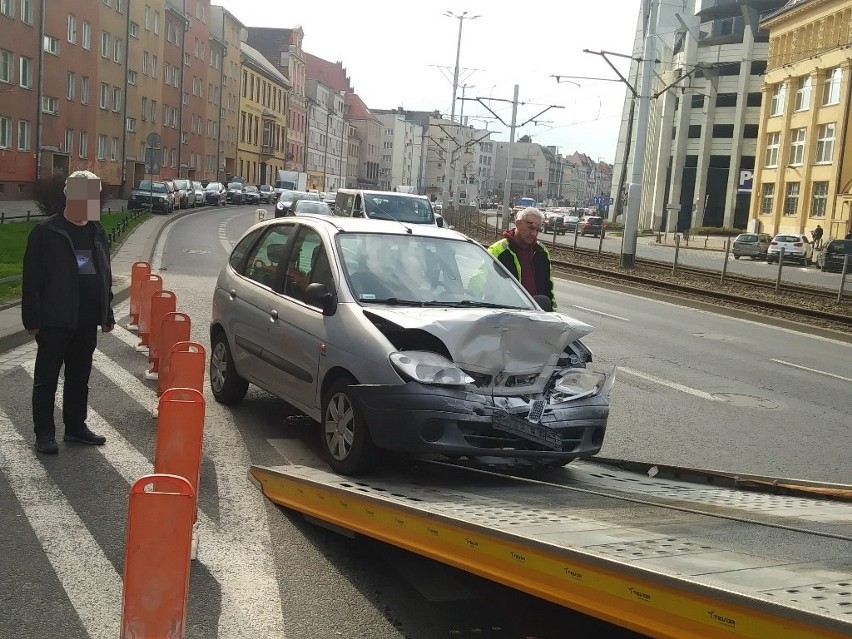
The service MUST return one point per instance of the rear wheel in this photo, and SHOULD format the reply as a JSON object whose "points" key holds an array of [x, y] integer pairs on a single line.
{"points": [[347, 444], [227, 385]]}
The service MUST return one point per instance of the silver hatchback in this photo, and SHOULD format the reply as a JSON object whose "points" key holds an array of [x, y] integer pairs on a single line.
{"points": [[403, 337], [753, 245]]}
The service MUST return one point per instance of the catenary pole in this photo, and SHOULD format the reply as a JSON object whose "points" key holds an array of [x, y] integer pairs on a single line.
{"points": [[507, 186]]}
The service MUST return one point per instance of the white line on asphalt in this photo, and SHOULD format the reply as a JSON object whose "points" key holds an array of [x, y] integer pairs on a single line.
{"points": [[669, 384], [237, 552], [810, 370], [761, 325], [227, 244], [591, 310], [91, 582]]}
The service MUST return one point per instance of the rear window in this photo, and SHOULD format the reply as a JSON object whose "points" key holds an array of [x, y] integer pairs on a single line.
{"points": [[787, 238], [747, 239], [839, 246]]}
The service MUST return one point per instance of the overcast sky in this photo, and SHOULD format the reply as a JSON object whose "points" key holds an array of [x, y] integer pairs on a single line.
{"points": [[402, 53]]}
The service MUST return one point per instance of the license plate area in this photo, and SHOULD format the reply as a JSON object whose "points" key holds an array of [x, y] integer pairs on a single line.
{"points": [[521, 427]]}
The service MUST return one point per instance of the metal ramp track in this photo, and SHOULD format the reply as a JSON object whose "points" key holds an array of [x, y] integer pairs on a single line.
{"points": [[665, 558]]}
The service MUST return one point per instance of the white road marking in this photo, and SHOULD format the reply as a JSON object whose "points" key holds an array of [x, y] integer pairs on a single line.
{"points": [[669, 384], [591, 310], [237, 552], [227, 244], [810, 370], [761, 325], [91, 582]]}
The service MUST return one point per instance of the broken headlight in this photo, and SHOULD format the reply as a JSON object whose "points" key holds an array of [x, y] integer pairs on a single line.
{"points": [[575, 383], [429, 368]]}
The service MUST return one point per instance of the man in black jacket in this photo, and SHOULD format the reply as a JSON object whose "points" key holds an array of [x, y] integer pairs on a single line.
{"points": [[67, 294]]}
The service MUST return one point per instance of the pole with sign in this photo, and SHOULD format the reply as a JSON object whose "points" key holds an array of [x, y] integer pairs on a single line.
{"points": [[153, 160]]}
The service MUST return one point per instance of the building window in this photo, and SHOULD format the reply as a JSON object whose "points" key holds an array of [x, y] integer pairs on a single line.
{"points": [[791, 201], [5, 65], [831, 88], [825, 143], [49, 105], [754, 99], [157, 22], [694, 131], [117, 52], [84, 90], [104, 103], [102, 147], [26, 73], [723, 130], [779, 96], [105, 42], [72, 29], [819, 199], [773, 142], [726, 100], [27, 11], [132, 77], [116, 99], [797, 146], [113, 150], [51, 45], [5, 132], [154, 72], [147, 18], [84, 145], [697, 101], [803, 93], [69, 141], [7, 8], [750, 131], [134, 30], [70, 85], [767, 198], [87, 36], [24, 130]]}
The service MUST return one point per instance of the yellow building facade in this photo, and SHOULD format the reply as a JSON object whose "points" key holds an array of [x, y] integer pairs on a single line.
{"points": [[803, 170]]}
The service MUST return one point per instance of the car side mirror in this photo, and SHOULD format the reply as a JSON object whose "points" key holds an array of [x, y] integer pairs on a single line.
{"points": [[544, 302], [318, 295], [439, 221]]}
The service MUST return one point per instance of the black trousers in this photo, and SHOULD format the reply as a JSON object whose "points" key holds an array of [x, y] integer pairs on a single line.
{"points": [[73, 347]]}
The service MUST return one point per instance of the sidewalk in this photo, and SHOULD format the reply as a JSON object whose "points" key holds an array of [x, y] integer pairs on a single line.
{"points": [[138, 246], [702, 242], [12, 210]]}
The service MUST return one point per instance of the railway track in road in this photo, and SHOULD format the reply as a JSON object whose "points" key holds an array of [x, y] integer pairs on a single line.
{"points": [[800, 303]]}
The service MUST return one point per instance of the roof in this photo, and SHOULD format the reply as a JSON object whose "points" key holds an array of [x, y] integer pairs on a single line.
{"points": [[331, 74], [356, 109], [264, 64]]}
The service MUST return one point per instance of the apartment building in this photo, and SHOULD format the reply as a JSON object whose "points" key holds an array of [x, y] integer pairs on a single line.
{"points": [[283, 48], [530, 169], [224, 107], [261, 149], [327, 151], [400, 152], [363, 168], [803, 177]]}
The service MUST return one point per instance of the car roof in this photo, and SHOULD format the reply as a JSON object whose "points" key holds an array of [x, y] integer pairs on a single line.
{"points": [[385, 193], [343, 224]]}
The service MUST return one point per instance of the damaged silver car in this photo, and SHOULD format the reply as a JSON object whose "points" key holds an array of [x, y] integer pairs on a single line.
{"points": [[406, 338]]}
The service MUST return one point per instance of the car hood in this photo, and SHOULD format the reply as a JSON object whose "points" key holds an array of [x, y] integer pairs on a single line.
{"points": [[492, 341]]}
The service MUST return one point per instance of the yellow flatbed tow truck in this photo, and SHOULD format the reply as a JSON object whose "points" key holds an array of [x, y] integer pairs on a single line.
{"points": [[666, 552]]}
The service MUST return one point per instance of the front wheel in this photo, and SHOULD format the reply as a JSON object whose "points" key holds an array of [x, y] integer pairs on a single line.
{"points": [[347, 445], [227, 385]]}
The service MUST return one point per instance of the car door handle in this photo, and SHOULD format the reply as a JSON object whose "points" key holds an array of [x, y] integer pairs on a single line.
{"points": [[273, 314], [232, 294]]}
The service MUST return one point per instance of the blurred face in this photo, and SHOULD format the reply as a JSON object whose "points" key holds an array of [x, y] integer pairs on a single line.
{"points": [[527, 230], [82, 200]]}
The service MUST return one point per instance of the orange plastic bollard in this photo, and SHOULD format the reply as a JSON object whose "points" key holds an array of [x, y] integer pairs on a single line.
{"points": [[162, 303], [175, 328], [187, 363], [157, 557], [137, 272], [180, 432], [150, 284]]}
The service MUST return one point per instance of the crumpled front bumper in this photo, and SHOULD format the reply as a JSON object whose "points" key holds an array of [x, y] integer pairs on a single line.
{"points": [[424, 419]]}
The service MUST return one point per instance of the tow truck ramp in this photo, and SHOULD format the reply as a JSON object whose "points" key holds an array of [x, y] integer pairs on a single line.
{"points": [[663, 557]]}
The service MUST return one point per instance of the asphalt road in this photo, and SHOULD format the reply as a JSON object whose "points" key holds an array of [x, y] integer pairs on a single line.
{"points": [[692, 388]]}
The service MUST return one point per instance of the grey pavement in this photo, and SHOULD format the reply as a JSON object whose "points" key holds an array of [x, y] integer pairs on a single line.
{"points": [[139, 245]]}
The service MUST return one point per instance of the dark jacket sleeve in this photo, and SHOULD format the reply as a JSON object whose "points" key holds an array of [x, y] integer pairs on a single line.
{"points": [[110, 315], [31, 285]]}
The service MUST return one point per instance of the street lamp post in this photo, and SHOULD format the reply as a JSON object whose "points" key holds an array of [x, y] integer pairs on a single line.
{"points": [[447, 152]]}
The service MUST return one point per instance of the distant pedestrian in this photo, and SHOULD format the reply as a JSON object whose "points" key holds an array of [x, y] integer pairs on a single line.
{"points": [[67, 282], [848, 236], [816, 234]]}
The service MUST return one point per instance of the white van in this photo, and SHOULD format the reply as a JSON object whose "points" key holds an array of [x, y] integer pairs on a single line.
{"points": [[385, 205]]}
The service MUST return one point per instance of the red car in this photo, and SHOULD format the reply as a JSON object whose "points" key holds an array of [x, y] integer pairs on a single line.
{"points": [[593, 225]]}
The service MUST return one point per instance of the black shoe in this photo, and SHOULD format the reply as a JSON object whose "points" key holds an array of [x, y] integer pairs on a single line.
{"points": [[85, 436], [47, 445]]}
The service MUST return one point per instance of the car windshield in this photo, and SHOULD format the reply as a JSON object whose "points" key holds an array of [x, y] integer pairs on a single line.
{"points": [[235, 185], [147, 185], [213, 186], [293, 196], [387, 206], [251, 189], [426, 271], [309, 206], [787, 238]]}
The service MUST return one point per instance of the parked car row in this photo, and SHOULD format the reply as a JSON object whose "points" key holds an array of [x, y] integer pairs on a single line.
{"points": [[797, 247]]}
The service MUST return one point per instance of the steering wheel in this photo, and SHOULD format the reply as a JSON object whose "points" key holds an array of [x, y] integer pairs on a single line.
{"points": [[260, 264]]}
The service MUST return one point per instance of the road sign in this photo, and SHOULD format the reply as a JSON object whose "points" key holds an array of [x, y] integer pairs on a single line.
{"points": [[604, 201]]}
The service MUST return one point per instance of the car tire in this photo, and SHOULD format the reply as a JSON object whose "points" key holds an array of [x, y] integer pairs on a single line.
{"points": [[227, 385], [736, 257], [347, 444]]}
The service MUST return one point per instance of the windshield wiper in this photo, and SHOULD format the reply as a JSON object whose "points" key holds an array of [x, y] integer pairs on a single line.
{"points": [[474, 304], [392, 301]]}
